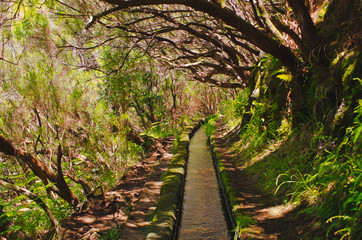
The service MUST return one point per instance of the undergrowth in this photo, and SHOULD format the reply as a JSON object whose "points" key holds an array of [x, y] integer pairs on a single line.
{"points": [[303, 165]]}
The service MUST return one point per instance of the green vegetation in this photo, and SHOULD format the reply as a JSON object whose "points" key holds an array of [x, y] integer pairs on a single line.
{"points": [[89, 88], [111, 234], [209, 125], [303, 165], [241, 220], [53, 96], [163, 222]]}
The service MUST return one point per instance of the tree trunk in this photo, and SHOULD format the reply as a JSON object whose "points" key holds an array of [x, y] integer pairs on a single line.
{"points": [[300, 110], [40, 170], [308, 30]]}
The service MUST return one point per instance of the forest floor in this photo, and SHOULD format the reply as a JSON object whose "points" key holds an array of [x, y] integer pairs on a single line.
{"points": [[125, 211], [271, 219]]}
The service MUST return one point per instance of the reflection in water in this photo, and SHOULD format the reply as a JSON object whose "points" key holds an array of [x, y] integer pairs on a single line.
{"points": [[202, 216]]}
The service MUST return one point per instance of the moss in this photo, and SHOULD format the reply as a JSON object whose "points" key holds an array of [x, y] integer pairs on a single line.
{"points": [[163, 222], [322, 12], [349, 66], [241, 221]]}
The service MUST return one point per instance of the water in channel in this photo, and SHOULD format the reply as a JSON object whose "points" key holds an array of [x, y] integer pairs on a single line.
{"points": [[202, 216]]}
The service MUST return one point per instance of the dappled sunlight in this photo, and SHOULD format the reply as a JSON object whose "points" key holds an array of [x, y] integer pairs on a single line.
{"points": [[87, 219], [259, 214], [96, 95], [271, 148], [273, 212]]}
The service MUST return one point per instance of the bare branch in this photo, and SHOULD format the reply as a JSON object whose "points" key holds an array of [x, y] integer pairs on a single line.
{"points": [[3, 59], [87, 190], [96, 17], [252, 34], [308, 30], [68, 6]]}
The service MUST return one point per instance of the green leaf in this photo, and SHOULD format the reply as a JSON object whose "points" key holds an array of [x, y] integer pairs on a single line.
{"points": [[285, 77], [222, 3]]}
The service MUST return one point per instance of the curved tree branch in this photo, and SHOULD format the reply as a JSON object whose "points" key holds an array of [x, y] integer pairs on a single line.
{"points": [[251, 33], [40, 170], [308, 30]]}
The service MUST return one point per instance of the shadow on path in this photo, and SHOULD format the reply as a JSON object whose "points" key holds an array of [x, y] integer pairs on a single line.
{"points": [[127, 208], [271, 219]]}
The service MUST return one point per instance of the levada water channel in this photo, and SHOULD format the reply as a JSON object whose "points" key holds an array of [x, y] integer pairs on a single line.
{"points": [[202, 215]]}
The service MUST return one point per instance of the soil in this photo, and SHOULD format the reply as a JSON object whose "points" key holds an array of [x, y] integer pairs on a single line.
{"points": [[126, 210], [271, 219]]}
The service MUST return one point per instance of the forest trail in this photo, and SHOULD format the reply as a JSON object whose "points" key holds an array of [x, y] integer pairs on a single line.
{"points": [[87, 86], [125, 211], [270, 218]]}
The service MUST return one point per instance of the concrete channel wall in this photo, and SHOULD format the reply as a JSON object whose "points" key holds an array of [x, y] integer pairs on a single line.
{"points": [[164, 224], [226, 191]]}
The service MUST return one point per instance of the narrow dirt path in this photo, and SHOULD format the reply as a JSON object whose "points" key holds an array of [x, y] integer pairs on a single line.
{"points": [[128, 207], [140, 218], [272, 220]]}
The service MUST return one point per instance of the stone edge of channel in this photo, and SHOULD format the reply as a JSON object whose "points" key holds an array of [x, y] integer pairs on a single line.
{"points": [[164, 223]]}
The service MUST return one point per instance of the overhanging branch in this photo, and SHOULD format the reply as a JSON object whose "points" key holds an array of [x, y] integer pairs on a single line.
{"points": [[252, 34]]}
